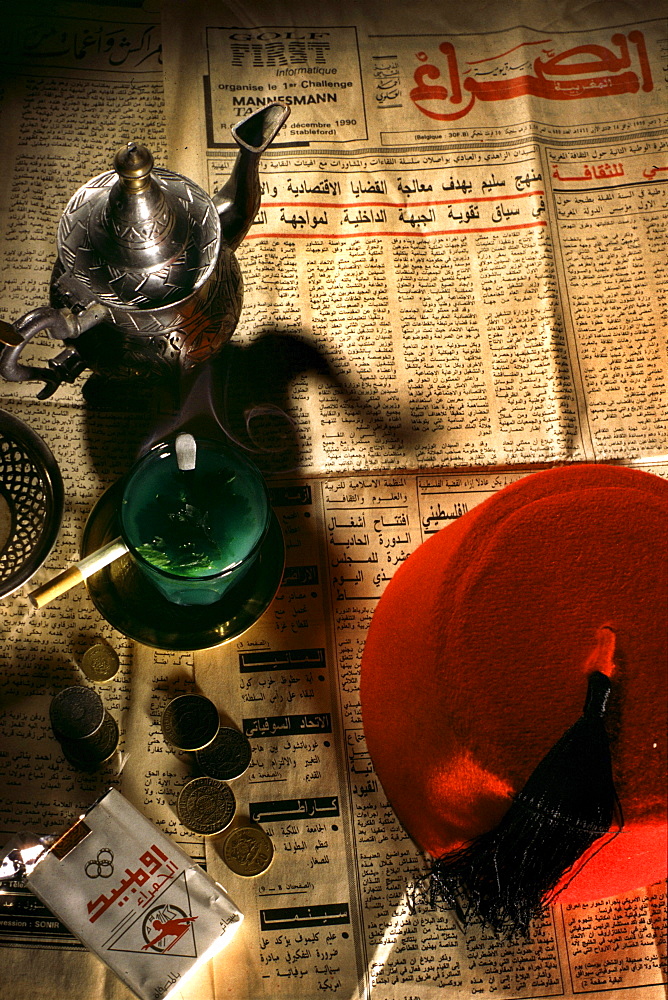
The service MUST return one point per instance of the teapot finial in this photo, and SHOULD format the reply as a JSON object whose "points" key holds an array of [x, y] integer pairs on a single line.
{"points": [[133, 164], [140, 226]]}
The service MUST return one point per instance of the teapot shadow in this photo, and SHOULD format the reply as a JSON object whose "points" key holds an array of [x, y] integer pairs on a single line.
{"points": [[246, 393]]}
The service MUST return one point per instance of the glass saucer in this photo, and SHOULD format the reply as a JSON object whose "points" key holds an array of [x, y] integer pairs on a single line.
{"points": [[129, 602]]}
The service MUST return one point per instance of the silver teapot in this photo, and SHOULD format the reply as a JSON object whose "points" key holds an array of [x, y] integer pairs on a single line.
{"points": [[146, 282]]}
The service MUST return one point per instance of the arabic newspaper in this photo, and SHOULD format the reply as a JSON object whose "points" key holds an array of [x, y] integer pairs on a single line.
{"points": [[488, 204], [431, 310]]}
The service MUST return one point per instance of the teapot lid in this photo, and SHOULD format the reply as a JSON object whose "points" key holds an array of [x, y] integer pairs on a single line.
{"points": [[139, 237]]}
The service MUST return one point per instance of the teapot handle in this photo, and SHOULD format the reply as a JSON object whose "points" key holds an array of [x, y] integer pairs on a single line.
{"points": [[61, 324]]}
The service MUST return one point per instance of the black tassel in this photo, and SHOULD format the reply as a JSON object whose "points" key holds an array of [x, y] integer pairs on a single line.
{"points": [[506, 877]]}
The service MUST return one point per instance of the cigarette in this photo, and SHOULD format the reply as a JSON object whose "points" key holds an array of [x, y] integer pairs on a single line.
{"points": [[77, 573]]}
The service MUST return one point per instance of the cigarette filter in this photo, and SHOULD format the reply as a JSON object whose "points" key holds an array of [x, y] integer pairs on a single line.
{"points": [[134, 898]]}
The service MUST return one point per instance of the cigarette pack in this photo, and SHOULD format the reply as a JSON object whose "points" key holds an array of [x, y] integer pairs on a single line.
{"points": [[134, 898]]}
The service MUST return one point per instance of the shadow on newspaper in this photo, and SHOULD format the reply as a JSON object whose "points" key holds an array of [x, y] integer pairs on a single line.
{"points": [[256, 394]]}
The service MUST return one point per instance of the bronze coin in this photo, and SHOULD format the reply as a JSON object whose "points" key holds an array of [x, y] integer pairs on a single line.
{"points": [[206, 806], [227, 756], [190, 722], [100, 662], [76, 712], [248, 850]]}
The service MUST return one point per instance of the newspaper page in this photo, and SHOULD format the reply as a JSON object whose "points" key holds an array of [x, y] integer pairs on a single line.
{"points": [[482, 185], [426, 271], [353, 364], [333, 915], [77, 81]]}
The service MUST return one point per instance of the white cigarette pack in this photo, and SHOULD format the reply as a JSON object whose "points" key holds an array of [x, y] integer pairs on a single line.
{"points": [[134, 898]]}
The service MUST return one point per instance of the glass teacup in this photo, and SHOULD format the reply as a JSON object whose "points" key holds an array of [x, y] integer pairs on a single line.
{"points": [[194, 526]]}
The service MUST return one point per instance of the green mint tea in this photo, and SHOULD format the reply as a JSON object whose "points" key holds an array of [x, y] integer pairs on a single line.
{"points": [[194, 532]]}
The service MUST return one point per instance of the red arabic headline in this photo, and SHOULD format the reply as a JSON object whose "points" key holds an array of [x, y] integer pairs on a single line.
{"points": [[554, 78]]}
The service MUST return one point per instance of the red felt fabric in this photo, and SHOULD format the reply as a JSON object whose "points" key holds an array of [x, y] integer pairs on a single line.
{"points": [[477, 659]]}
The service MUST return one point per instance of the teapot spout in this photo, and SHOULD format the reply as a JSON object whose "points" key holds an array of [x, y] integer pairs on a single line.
{"points": [[238, 200]]}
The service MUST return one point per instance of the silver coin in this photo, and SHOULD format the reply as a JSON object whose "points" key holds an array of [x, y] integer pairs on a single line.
{"points": [[76, 713], [100, 662], [190, 722], [227, 756], [206, 806]]}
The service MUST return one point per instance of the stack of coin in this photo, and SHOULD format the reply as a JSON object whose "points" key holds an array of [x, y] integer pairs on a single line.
{"points": [[206, 804], [86, 732]]}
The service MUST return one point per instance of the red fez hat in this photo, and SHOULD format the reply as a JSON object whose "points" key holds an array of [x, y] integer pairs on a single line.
{"points": [[477, 664]]}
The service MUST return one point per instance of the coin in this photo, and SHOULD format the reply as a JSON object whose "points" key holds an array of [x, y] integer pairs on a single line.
{"points": [[100, 662], [248, 850], [76, 712], [227, 756], [87, 754], [190, 722], [206, 806]]}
